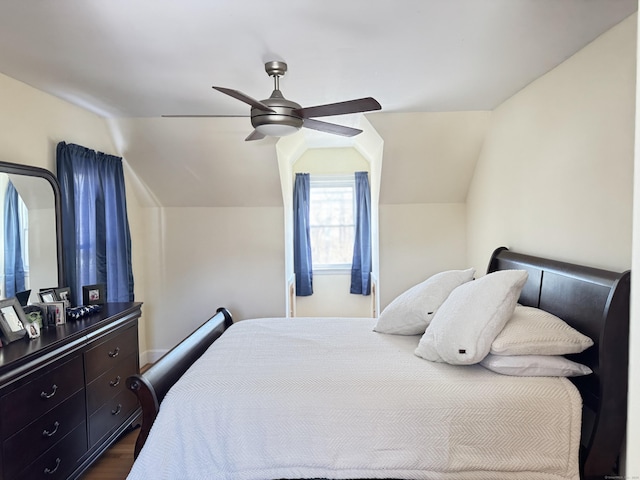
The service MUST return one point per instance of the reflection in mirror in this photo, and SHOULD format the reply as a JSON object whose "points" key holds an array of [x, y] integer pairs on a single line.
{"points": [[29, 246]]}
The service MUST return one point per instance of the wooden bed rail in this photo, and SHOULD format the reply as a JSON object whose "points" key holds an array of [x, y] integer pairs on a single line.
{"points": [[152, 386]]}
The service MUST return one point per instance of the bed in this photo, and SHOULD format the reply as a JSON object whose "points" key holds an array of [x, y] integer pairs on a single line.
{"points": [[330, 398]]}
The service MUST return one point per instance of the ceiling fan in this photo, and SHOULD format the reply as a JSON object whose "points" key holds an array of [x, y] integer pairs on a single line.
{"points": [[276, 116]]}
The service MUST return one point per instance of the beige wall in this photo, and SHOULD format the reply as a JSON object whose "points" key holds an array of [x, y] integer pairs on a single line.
{"points": [[31, 125], [417, 241], [199, 259], [330, 161], [331, 298], [554, 177], [429, 161]]}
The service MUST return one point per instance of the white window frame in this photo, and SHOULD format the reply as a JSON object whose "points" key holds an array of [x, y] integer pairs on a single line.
{"points": [[337, 181]]}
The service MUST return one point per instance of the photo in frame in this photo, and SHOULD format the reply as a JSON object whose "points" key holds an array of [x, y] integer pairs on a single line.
{"points": [[63, 294], [33, 330], [58, 311], [12, 320], [94, 294], [48, 295]]}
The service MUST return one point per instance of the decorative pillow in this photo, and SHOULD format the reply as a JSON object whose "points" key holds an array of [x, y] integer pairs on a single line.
{"points": [[411, 312], [532, 331], [470, 319], [534, 366]]}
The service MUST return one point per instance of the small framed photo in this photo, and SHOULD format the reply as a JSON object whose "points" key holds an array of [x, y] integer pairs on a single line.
{"points": [[48, 295], [58, 312], [63, 294], [33, 330], [94, 294], [12, 319]]}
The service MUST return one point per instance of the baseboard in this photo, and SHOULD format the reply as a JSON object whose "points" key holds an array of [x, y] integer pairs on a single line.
{"points": [[151, 356]]}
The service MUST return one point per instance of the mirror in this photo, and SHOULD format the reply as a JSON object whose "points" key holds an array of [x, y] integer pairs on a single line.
{"points": [[31, 244]]}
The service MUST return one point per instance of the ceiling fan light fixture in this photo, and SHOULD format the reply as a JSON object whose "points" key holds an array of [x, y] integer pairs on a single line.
{"points": [[277, 130], [280, 121]]}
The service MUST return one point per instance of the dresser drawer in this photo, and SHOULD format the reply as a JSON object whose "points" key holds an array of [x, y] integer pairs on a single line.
{"points": [[111, 415], [60, 460], [106, 354], [43, 393], [33, 440], [111, 383]]}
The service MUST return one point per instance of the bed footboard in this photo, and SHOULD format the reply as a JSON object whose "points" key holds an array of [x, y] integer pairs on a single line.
{"points": [[151, 386]]}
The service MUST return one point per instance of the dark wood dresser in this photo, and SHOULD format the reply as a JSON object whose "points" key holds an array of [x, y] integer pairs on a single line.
{"points": [[63, 398]]}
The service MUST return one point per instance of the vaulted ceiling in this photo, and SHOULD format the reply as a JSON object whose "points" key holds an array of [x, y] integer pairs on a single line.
{"points": [[134, 61]]}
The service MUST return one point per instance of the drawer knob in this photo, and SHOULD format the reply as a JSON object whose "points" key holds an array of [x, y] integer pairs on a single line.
{"points": [[117, 410], [49, 471], [116, 382], [46, 395], [47, 433], [114, 353]]}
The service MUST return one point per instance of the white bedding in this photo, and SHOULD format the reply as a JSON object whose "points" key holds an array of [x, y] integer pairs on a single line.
{"points": [[330, 398]]}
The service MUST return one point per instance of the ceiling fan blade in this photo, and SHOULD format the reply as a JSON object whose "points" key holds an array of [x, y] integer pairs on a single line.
{"points": [[341, 108], [255, 135], [330, 128], [244, 98], [205, 116]]}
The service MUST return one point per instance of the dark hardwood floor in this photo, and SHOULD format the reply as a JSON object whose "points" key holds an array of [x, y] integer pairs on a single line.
{"points": [[116, 462]]}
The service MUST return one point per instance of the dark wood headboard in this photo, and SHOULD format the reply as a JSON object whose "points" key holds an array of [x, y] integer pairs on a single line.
{"points": [[595, 302]]}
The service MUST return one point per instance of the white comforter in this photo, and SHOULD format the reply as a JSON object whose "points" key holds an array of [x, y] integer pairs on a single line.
{"points": [[330, 398]]}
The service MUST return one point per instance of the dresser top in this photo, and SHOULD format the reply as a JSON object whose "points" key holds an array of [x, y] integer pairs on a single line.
{"points": [[53, 338]]}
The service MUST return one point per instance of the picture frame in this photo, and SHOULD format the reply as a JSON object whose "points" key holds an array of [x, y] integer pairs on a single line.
{"points": [[23, 297], [58, 312], [48, 295], [12, 320], [63, 294], [94, 294], [33, 330]]}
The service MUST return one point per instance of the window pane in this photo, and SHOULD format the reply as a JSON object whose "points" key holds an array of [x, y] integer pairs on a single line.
{"points": [[331, 218], [331, 206], [332, 245]]}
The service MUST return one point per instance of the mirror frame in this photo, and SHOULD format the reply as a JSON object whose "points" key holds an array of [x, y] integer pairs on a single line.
{"points": [[32, 171]]}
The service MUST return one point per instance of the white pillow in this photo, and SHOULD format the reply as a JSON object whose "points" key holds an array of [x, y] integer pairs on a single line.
{"points": [[411, 312], [470, 319], [534, 366], [532, 331]]}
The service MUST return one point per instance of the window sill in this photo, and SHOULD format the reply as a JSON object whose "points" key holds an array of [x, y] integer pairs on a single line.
{"points": [[332, 270]]}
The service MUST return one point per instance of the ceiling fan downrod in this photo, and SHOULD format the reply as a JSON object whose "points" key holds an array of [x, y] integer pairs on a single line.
{"points": [[276, 70]]}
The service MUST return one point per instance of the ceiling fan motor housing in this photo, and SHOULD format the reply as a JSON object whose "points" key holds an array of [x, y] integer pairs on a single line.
{"points": [[284, 113]]}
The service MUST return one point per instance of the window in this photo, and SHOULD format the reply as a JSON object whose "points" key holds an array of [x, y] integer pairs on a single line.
{"points": [[332, 221]]}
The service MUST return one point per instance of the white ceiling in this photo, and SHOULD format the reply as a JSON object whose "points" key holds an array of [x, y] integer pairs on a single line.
{"points": [[147, 58]]}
